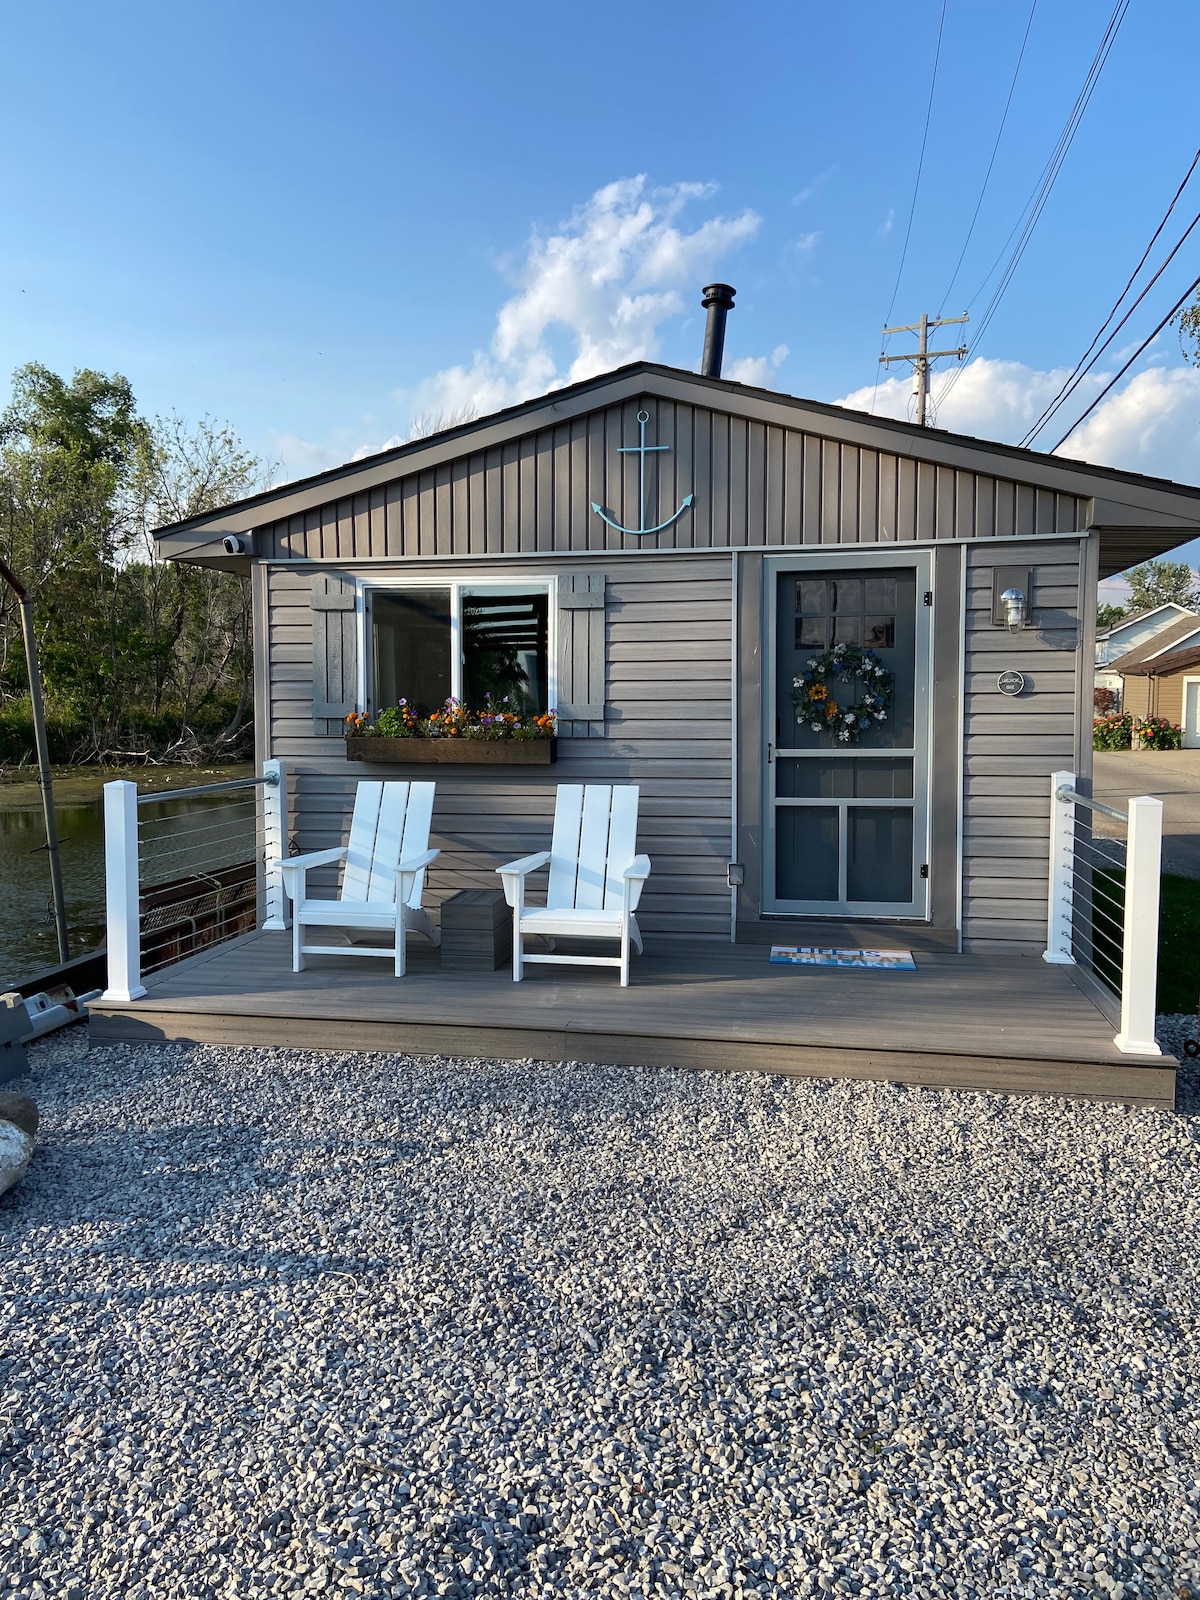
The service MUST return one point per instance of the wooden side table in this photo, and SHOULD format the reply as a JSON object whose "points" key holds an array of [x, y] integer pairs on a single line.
{"points": [[476, 931]]}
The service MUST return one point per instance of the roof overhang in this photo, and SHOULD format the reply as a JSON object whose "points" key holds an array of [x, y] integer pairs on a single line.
{"points": [[1137, 517]]}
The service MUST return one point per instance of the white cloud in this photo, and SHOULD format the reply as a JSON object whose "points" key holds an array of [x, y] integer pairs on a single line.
{"points": [[757, 370], [603, 285], [889, 222], [1149, 424], [300, 458], [810, 189], [807, 243]]}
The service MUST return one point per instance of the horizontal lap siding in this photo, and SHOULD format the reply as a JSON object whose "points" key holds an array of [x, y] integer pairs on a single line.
{"points": [[1012, 745], [753, 484], [667, 728]]}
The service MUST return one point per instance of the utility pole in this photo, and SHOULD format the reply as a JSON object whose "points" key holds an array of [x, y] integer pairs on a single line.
{"points": [[923, 355], [43, 754]]}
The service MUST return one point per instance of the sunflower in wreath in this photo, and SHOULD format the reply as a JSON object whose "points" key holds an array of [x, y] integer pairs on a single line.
{"points": [[848, 670]]}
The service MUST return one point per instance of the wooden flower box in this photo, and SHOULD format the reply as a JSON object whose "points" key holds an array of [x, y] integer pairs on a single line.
{"points": [[454, 752]]}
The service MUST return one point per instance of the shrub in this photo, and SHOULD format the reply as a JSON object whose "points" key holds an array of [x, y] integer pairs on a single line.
{"points": [[1106, 702], [1156, 733], [1114, 732]]}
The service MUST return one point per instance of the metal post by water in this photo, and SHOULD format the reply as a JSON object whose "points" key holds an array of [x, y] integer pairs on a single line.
{"points": [[42, 747]]}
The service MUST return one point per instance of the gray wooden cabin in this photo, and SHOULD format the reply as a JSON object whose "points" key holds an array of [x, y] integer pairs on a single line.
{"points": [[667, 653]]}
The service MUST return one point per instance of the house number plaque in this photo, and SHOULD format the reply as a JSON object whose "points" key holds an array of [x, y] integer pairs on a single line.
{"points": [[1010, 682]]}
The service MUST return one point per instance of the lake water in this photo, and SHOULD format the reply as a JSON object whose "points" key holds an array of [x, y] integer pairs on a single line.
{"points": [[181, 836]]}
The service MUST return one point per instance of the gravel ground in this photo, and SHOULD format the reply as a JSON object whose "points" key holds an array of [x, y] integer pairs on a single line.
{"points": [[280, 1323]]}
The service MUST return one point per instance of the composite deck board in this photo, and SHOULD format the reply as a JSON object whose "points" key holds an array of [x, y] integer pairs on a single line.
{"points": [[974, 1021]]}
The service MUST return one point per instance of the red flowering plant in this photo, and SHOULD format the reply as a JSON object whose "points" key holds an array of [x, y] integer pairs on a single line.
{"points": [[499, 719], [1156, 733]]}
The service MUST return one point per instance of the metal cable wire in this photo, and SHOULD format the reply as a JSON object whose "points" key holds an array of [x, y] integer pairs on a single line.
{"points": [[912, 210], [1031, 215], [1082, 370], [992, 162], [1078, 371], [1150, 338]]}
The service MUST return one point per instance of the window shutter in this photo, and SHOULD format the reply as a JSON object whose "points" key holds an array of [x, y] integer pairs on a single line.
{"points": [[581, 655], [335, 650]]}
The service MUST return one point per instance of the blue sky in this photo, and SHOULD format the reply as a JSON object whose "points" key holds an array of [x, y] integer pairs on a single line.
{"points": [[317, 221]]}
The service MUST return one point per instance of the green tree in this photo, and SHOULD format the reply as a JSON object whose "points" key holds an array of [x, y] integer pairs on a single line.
{"points": [[1188, 323], [1108, 616], [1155, 583], [139, 656]]}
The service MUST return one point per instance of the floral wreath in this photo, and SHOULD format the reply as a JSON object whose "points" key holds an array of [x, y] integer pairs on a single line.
{"points": [[817, 705]]}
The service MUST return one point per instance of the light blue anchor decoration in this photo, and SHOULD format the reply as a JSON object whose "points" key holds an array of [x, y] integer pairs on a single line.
{"points": [[642, 450]]}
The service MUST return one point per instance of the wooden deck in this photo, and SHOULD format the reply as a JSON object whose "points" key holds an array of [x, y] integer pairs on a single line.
{"points": [[1010, 1024]]}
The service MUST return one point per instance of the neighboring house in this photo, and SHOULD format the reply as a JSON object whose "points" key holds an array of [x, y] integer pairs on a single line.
{"points": [[1134, 633], [1176, 635], [1168, 685], [664, 601]]}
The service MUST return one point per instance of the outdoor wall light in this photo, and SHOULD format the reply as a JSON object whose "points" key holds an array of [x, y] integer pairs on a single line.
{"points": [[1016, 611]]}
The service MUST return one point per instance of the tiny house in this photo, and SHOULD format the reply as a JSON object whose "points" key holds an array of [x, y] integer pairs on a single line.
{"points": [[661, 557]]}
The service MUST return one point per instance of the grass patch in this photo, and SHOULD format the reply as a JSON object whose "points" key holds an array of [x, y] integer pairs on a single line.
{"points": [[1179, 944], [1178, 938]]}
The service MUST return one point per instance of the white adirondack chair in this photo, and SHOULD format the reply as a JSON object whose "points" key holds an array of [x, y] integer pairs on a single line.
{"points": [[383, 878], [595, 878]]}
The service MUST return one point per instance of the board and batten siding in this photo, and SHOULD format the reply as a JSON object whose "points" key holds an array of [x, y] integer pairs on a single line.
{"points": [[666, 727], [755, 484], [1012, 745]]}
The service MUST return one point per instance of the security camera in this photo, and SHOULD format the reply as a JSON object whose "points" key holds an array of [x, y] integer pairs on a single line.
{"points": [[234, 545]]}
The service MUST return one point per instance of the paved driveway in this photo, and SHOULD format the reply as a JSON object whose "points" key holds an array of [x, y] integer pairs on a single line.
{"points": [[1172, 775]]}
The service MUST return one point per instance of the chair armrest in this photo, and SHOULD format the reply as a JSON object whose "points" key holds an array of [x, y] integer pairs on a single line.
{"points": [[638, 869], [293, 869], [514, 874], [419, 863], [314, 858], [526, 865]]}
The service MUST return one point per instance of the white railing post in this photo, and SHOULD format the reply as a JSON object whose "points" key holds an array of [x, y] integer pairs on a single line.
{"points": [[121, 892], [1139, 960], [275, 817], [1062, 863]]}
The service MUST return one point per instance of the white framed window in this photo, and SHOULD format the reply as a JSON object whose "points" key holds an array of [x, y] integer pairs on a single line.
{"points": [[425, 640]]}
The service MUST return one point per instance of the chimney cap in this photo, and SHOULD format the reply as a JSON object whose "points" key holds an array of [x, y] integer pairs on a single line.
{"points": [[718, 294]]}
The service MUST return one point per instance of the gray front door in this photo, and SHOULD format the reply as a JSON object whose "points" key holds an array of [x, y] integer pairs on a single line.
{"points": [[847, 823]]}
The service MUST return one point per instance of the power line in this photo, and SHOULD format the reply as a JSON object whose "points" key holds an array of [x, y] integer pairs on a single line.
{"points": [[937, 55], [992, 162], [1082, 371], [1148, 340], [1032, 213], [912, 210], [1083, 364]]}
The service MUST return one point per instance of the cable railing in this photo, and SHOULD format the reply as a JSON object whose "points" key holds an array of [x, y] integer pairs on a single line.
{"points": [[187, 869], [1103, 904]]}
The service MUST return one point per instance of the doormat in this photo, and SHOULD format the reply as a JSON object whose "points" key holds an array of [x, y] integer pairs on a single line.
{"points": [[802, 955]]}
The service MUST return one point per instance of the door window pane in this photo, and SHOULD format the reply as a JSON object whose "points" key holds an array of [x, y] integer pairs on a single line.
{"points": [[844, 778], [504, 636], [411, 647], [876, 609], [879, 854], [806, 853]]}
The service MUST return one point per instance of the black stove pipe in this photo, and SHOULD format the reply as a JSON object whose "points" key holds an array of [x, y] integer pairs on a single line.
{"points": [[718, 301]]}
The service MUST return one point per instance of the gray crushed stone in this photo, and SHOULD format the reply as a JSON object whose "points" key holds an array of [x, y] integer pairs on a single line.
{"points": [[280, 1323]]}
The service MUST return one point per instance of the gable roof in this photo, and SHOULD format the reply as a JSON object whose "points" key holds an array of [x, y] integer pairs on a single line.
{"points": [[1162, 641], [1172, 661], [1137, 516], [1140, 616]]}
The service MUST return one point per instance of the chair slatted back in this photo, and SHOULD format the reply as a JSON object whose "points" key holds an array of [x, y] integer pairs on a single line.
{"points": [[595, 839], [391, 824]]}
